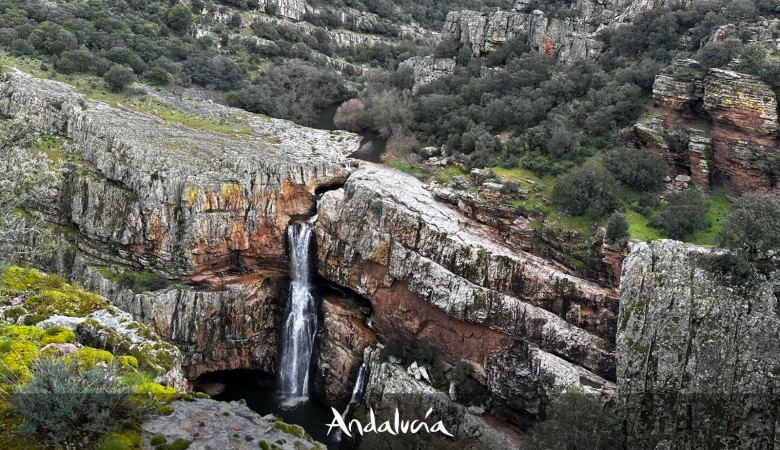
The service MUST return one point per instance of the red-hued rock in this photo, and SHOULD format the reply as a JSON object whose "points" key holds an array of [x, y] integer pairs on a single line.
{"points": [[720, 129]]}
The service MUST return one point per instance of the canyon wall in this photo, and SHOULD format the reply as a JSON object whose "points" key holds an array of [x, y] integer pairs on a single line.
{"points": [[571, 37], [719, 129], [432, 273], [698, 351]]}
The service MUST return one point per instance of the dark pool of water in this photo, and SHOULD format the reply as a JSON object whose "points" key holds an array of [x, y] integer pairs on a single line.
{"points": [[372, 147], [308, 413]]}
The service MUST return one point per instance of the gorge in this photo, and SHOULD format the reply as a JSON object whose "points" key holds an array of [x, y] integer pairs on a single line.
{"points": [[289, 272]]}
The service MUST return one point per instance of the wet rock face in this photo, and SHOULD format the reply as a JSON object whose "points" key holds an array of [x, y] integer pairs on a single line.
{"points": [[570, 39], [187, 200], [339, 351], [432, 273], [697, 355], [720, 129]]}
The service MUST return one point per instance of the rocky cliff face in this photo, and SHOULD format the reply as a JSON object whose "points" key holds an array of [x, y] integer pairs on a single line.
{"points": [[208, 203], [432, 273], [719, 129], [186, 200], [339, 352], [571, 39], [697, 352]]}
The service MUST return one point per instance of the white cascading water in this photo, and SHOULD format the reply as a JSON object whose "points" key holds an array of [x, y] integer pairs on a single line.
{"points": [[300, 325], [357, 393]]}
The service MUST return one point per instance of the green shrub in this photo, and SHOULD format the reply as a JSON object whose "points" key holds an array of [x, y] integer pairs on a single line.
{"points": [[118, 77], [577, 421], [636, 167], [61, 402], [684, 213], [752, 227], [617, 228], [588, 190]]}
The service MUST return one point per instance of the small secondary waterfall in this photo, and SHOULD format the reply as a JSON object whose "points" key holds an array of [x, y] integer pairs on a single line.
{"points": [[300, 325], [357, 393]]}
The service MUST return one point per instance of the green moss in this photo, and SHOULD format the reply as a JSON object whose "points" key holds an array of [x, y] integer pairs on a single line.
{"points": [[49, 294], [16, 361], [88, 357], [127, 439], [178, 444], [295, 430], [157, 440], [32, 319], [57, 335], [159, 392], [264, 445], [12, 314], [129, 362], [165, 410]]}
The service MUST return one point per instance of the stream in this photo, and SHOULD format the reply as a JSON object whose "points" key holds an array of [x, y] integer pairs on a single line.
{"points": [[372, 147]]}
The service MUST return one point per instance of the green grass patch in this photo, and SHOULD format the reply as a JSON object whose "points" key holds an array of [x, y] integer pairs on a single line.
{"points": [[445, 174], [719, 207], [403, 166], [545, 183], [639, 229]]}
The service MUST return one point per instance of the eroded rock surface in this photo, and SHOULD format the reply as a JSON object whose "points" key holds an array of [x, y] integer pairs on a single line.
{"points": [[211, 424], [184, 199], [432, 273], [697, 353], [719, 129], [571, 39]]}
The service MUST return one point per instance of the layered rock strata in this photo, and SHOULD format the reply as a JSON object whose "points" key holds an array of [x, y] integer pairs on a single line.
{"points": [[719, 129], [187, 200], [697, 351], [339, 351], [570, 39], [431, 273]]}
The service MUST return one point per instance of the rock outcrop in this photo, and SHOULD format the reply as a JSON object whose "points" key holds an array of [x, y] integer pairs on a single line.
{"points": [[186, 200], [210, 424], [719, 129], [339, 351], [390, 387], [427, 69], [431, 273], [698, 352], [571, 39]]}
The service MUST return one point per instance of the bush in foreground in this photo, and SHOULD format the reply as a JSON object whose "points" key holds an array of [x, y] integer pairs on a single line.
{"points": [[61, 403]]}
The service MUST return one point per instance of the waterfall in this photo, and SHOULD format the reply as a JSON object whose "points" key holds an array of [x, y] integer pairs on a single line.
{"points": [[300, 325], [357, 393]]}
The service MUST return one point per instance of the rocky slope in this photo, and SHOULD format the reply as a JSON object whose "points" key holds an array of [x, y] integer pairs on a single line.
{"points": [[209, 424], [432, 273], [719, 129], [697, 352], [571, 38]]}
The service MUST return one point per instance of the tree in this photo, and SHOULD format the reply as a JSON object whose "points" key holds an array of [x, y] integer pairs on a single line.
{"points": [[636, 167], [179, 18], [753, 58], [577, 421], [587, 190], [352, 116], [752, 226], [617, 228], [684, 213], [118, 77], [25, 179]]}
